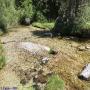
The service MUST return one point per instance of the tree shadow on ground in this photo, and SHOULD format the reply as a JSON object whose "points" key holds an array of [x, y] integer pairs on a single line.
{"points": [[77, 39], [42, 33], [48, 34]]}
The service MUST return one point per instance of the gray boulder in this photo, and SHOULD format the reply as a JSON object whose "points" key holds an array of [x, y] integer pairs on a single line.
{"points": [[85, 74], [27, 21]]}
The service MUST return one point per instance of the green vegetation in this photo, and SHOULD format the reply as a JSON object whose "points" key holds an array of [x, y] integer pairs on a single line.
{"points": [[75, 18], [48, 8], [45, 25], [74, 15], [55, 83], [9, 13], [25, 8], [2, 58], [3, 26]]}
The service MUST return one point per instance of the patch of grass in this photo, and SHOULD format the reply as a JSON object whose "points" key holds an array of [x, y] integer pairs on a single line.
{"points": [[28, 86], [55, 83], [46, 25], [2, 57], [2, 61]]}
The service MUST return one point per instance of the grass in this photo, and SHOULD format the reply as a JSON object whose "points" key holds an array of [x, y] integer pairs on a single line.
{"points": [[45, 25], [86, 25], [55, 83], [28, 86], [2, 57]]}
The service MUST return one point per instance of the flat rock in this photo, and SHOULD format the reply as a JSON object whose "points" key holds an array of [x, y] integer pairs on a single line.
{"points": [[34, 48]]}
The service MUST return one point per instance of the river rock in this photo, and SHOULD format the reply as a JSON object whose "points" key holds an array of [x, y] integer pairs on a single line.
{"points": [[44, 60], [88, 47], [85, 74], [27, 21], [82, 48]]}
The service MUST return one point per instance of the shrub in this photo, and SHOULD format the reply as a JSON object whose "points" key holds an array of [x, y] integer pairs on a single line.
{"points": [[3, 26], [8, 12], [25, 7], [48, 8], [82, 22], [40, 17], [74, 19]]}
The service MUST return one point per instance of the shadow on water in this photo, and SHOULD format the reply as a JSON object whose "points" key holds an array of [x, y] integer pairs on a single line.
{"points": [[48, 34], [42, 33]]}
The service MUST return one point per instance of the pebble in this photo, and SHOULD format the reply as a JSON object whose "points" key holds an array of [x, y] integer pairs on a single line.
{"points": [[45, 60], [81, 48]]}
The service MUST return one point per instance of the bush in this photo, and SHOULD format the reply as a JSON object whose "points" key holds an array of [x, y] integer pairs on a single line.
{"points": [[70, 22], [25, 7], [8, 12], [46, 8], [40, 17], [3, 26], [82, 22], [39, 10]]}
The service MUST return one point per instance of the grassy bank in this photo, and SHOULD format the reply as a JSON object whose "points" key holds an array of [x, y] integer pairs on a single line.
{"points": [[46, 25]]}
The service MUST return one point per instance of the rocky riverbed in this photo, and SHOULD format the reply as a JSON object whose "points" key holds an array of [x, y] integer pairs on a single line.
{"points": [[23, 69]]}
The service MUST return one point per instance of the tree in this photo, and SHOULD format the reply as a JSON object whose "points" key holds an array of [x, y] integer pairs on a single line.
{"points": [[72, 17]]}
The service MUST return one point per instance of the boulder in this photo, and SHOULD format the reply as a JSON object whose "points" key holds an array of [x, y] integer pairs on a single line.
{"points": [[85, 74], [25, 21]]}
